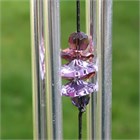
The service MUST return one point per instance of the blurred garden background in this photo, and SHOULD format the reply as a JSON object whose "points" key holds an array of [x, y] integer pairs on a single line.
{"points": [[16, 90]]}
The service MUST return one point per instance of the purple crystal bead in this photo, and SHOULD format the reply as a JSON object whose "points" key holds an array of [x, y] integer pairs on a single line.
{"points": [[78, 41], [78, 69], [78, 88], [80, 102]]}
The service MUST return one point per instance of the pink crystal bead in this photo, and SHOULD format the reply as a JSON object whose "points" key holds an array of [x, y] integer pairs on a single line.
{"points": [[78, 88], [70, 54], [89, 48], [87, 54], [78, 69], [78, 41]]}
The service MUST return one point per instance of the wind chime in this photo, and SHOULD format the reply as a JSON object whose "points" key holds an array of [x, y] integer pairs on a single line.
{"points": [[79, 69]]}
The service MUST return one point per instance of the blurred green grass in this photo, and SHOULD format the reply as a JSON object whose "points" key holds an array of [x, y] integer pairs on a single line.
{"points": [[16, 96]]}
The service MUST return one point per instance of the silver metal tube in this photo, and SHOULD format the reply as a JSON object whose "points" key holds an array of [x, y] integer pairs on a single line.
{"points": [[99, 25], [107, 75], [91, 31], [38, 55], [98, 114], [53, 64], [45, 35]]}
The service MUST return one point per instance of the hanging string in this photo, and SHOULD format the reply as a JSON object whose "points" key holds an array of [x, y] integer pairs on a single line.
{"points": [[78, 47], [78, 20], [80, 124], [81, 110], [78, 15]]}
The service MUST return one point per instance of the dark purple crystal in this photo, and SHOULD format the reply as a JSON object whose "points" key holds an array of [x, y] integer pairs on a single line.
{"points": [[80, 102], [78, 41]]}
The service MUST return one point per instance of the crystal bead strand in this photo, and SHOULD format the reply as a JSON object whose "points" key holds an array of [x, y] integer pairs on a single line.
{"points": [[79, 69]]}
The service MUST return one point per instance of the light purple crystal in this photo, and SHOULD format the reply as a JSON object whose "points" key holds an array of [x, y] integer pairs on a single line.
{"points": [[78, 88], [77, 69]]}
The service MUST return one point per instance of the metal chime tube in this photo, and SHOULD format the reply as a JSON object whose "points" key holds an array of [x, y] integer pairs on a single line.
{"points": [[53, 64], [91, 31], [39, 82], [99, 25], [45, 35]]}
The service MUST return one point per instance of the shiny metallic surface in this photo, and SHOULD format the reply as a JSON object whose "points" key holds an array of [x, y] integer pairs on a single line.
{"points": [[99, 25], [46, 81], [53, 63], [91, 31], [100, 55], [35, 77], [107, 75], [38, 70]]}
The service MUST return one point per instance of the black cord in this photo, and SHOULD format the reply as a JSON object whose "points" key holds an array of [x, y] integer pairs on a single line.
{"points": [[80, 123], [78, 30], [78, 15], [78, 20], [81, 110]]}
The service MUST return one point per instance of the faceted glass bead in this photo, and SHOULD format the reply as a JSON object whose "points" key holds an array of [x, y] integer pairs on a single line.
{"points": [[80, 102], [78, 69], [78, 41], [87, 54], [70, 54], [78, 88]]}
